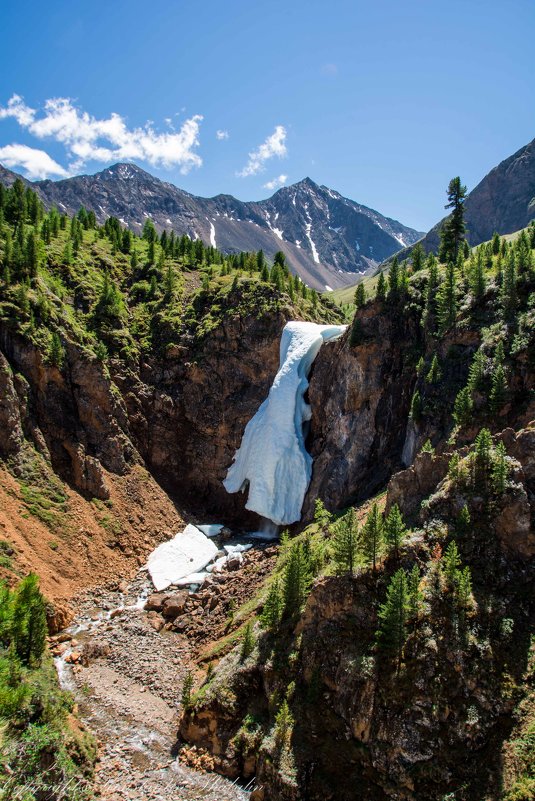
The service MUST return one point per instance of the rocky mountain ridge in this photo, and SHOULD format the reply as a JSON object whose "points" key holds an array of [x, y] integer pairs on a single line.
{"points": [[327, 239], [503, 201]]}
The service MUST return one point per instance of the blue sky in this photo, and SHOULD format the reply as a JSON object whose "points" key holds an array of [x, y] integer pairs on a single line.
{"points": [[383, 101]]}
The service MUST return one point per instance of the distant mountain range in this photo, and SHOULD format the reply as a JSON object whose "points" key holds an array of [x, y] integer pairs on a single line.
{"points": [[328, 239], [504, 201]]}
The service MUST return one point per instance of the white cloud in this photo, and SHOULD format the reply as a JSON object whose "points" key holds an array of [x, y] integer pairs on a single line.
{"points": [[88, 138], [275, 145], [221, 135], [35, 163], [276, 182]]}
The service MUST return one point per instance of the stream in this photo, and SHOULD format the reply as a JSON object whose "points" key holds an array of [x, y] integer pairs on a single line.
{"points": [[127, 688]]}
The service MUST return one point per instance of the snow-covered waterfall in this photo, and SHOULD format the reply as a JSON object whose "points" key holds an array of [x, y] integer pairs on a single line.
{"points": [[272, 460]]}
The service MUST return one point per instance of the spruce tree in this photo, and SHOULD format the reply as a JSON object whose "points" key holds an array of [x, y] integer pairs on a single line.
{"points": [[322, 517], [476, 373], [463, 407], [29, 628], [447, 299], [394, 280], [498, 392], [248, 642], [381, 287], [345, 544], [394, 530], [296, 581], [393, 614], [451, 562], [453, 228], [360, 296], [372, 536], [435, 372], [272, 611], [418, 257]]}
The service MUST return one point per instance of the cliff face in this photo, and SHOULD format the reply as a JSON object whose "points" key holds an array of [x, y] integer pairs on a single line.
{"points": [[182, 417], [360, 727], [360, 396]]}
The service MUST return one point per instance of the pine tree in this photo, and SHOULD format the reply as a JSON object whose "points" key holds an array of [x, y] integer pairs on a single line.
{"points": [[482, 453], [284, 723], [447, 299], [435, 372], [509, 295], [431, 293], [393, 280], [296, 581], [498, 392], [478, 283], [463, 407], [272, 611], [345, 544], [451, 562], [394, 530], [360, 296], [393, 614], [463, 521], [322, 517], [464, 591], [496, 243], [56, 351], [29, 628], [453, 229], [500, 469], [248, 642], [187, 687], [381, 287], [418, 257], [372, 536], [476, 374], [416, 407]]}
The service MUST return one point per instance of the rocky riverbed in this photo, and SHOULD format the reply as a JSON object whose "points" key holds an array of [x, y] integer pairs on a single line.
{"points": [[125, 657]]}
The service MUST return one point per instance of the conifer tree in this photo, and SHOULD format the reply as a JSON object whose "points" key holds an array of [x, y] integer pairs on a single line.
{"points": [[498, 390], [248, 642], [345, 544], [496, 243], [451, 562], [453, 229], [394, 280], [360, 296], [509, 295], [372, 536], [464, 591], [272, 611], [447, 299], [296, 581], [56, 352], [431, 293], [416, 407], [381, 287], [478, 283], [322, 517], [187, 687], [463, 407], [476, 374], [29, 628], [435, 372], [394, 530], [481, 459], [393, 614], [418, 257]]}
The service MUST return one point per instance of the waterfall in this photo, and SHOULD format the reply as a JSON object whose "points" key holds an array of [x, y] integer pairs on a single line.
{"points": [[272, 462]]}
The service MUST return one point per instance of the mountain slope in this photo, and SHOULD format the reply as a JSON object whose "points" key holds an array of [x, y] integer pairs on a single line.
{"points": [[504, 201], [326, 238]]}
